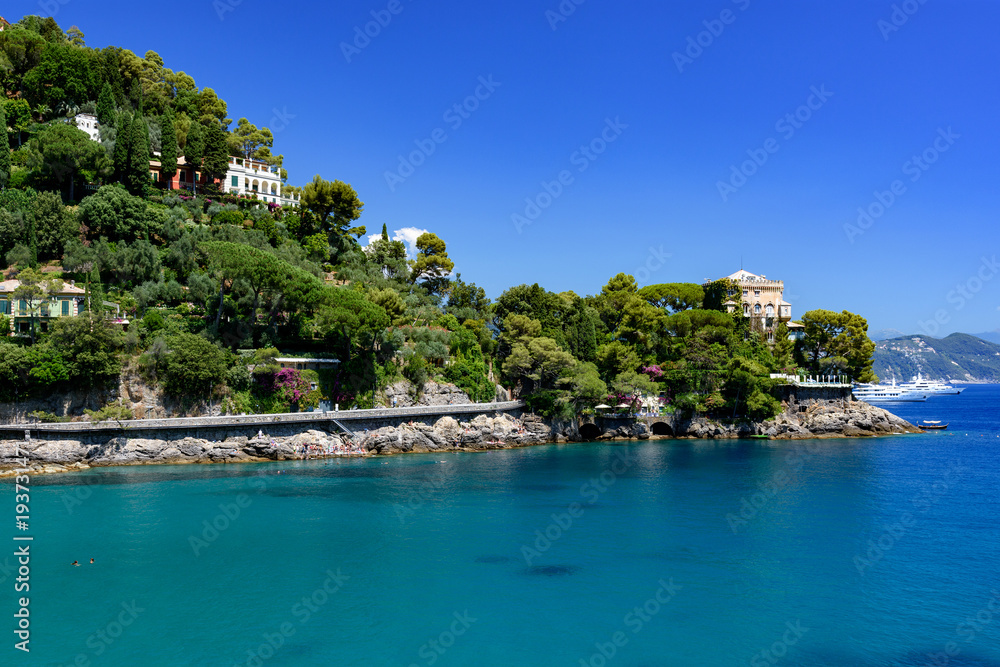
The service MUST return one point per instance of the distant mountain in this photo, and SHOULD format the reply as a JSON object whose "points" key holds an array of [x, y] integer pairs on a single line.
{"points": [[959, 357], [991, 336], [886, 334]]}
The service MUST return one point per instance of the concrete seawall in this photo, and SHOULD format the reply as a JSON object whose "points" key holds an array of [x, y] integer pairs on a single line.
{"points": [[222, 428]]}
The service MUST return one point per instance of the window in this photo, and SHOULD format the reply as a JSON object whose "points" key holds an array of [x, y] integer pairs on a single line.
{"points": [[236, 181], [756, 292], [770, 310], [4, 307], [45, 310], [24, 306], [745, 292], [65, 308], [183, 176], [756, 309]]}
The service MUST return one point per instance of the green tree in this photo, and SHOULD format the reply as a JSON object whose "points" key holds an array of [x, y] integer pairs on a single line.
{"points": [[4, 151], [837, 342], [168, 142], [22, 50], [137, 178], [675, 296], [216, 152], [60, 152], [113, 213], [247, 140], [432, 263], [336, 206], [106, 106], [192, 365], [18, 114], [55, 226], [92, 348], [194, 151], [63, 74], [123, 146]]}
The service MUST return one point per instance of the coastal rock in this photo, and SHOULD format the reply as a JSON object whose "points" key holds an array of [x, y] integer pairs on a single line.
{"points": [[400, 394]]}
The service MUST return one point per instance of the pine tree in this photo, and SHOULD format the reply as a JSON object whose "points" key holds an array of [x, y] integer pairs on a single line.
{"points": [[168, 145], [123, 143], [4, 150], [385, 233], [106, 106], [137, 177], [194, 151], [31, 238]]}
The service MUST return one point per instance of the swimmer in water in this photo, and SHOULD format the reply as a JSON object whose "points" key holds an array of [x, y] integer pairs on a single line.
{"points": [[77, 563], [91, 561]]}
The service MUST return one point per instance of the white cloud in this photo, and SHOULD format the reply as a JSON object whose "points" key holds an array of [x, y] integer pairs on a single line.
{"points": [[409, 236]]}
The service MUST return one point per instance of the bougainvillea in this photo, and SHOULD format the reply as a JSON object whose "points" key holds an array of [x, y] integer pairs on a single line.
{"points": [[287, 383]]}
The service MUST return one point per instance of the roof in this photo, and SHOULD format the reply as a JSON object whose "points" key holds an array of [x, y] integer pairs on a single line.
{"points": [[795, 325], [744, 275], [305, 360], [10, 285]]}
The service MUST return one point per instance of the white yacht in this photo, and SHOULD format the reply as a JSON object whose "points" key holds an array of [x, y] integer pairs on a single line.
{"points": [[884, 393], [930, 386]]}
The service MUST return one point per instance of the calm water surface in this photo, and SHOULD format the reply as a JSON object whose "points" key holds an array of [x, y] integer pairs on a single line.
{"points": [[834, 552]]}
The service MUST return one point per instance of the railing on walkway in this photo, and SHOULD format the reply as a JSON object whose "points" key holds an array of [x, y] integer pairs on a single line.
{"points": [[337, 416]]}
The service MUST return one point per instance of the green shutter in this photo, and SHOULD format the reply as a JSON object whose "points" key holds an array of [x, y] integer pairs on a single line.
{"points": [[236, 181], [65, 308]]}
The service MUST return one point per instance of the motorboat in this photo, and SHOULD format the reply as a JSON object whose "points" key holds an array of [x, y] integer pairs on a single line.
{"points": [[930, 386], [930, 425], [882, 393]]}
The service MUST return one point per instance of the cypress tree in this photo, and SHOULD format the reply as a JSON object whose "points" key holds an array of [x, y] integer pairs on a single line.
{"points": [[123, 143], [194, 151], [106, 106], [216, 151], [168, 145], [4, 150], [385, 233], [137, 177]]}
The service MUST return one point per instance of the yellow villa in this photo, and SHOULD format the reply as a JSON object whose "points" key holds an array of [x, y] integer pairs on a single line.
{"points": [[66, 302]]}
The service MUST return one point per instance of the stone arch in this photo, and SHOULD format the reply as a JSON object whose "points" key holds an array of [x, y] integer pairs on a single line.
{"points": [[256, 185], [661, 428], [590, 431]]}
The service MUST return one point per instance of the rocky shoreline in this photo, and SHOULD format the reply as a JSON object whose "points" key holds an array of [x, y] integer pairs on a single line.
{"points": [[818, 419]]}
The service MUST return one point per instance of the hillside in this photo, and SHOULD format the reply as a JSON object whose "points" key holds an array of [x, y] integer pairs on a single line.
{"points": [[991, 336], [959, 357]]}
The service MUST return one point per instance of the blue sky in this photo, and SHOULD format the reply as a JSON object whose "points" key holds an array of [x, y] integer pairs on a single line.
{"points": [[649, 202]]}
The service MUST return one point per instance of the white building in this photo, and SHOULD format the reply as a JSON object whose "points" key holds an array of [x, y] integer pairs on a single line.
{"points": [[256, 177], [88, 123]]}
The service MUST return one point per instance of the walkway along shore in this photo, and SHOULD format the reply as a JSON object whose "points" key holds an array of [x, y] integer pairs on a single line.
{"points": [[53, 448]]}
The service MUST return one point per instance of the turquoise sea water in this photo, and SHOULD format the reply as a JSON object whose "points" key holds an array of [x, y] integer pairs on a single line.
{"points": [[847, 552]]}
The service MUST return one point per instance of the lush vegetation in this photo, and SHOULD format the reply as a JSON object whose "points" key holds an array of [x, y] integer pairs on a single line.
{"points": [[214, 285], [957, 357]]}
